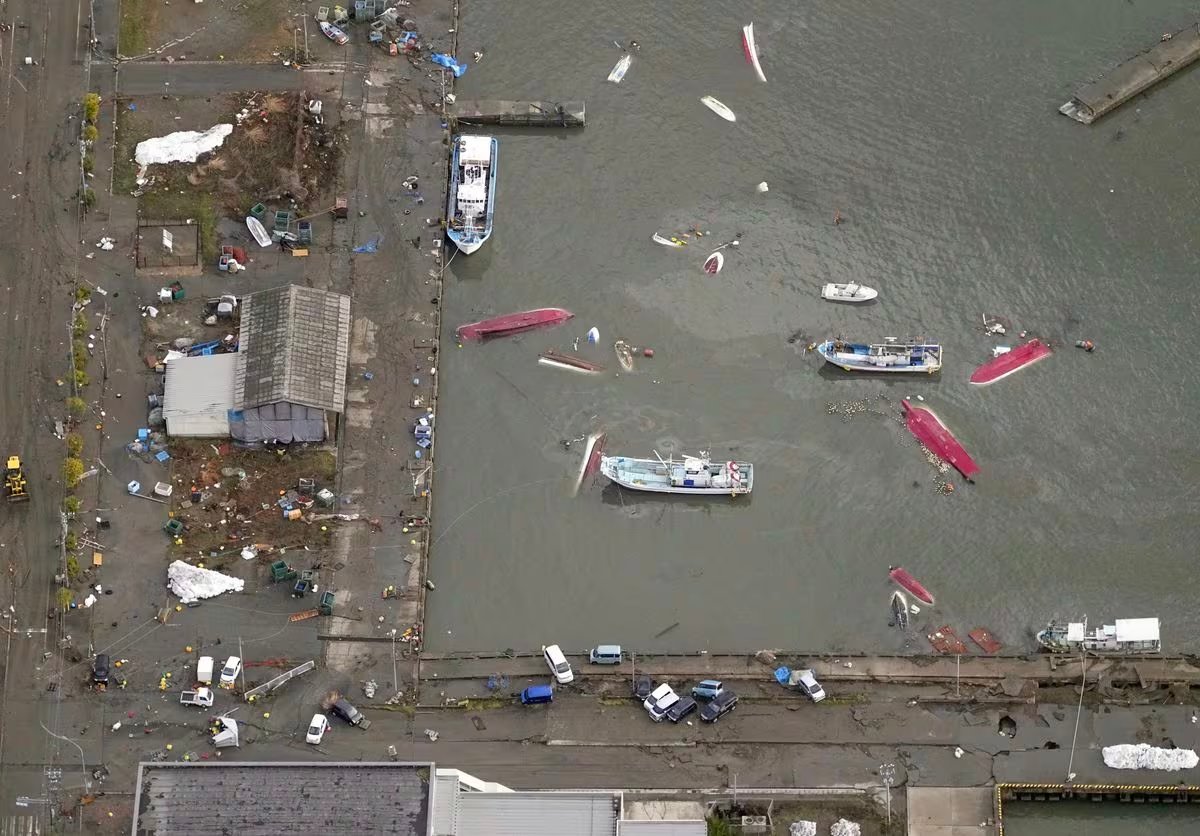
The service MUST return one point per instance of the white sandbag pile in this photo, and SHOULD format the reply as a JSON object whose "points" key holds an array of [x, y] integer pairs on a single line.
{"points": [[803, 828], [1145, 756], [191, 583], [841, 827]]}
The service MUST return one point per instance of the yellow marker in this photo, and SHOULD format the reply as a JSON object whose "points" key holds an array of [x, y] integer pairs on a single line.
{"points": [[170, 746], [188, 648], [266, 714]]}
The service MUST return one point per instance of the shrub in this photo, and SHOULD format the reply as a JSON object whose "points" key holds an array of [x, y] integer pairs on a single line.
{"points": [[79, 354], [72, 543], [76, 407], [71, 505], [83, 293], [90, 133], [74, 444], [72, 471], [65, 597], [91, 107], [89, 164], [89, 199], [81, 378], [79, 327]]}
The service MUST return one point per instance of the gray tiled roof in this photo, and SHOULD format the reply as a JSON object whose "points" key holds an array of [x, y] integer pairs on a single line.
{"points": [[268, 799], [293, 346], [537, 813]]}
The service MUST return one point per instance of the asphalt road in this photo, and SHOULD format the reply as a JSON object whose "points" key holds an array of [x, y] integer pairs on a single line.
{"points": [[38, 181], [182, 78]]}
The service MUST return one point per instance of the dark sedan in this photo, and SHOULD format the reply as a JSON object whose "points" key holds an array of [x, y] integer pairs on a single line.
{"points": [[719, 706], [642, 686], [681, 709]]}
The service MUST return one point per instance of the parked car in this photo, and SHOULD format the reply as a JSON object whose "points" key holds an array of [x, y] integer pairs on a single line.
{"points": [[229, 673], [642, 686], [707, 689], [100, 669], [718, 706], [681, 709], [202, 697], [347, 712], [806, 683], [660, 699], [537, 695], [316, 729], [558, 664], [606, 654]]}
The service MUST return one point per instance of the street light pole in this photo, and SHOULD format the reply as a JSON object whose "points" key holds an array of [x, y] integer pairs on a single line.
{"points": [[887, 774]]}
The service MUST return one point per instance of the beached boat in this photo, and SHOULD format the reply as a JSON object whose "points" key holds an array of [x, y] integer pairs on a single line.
{"points": [[258, 231], [334, 34], [718, 108], [622, 67], [472, 193], [910, 584], [1009, 362], [691, 475], [499, 326], [1125, 635], [889, 356], [751, 50], [930, 431], [562, 360], [851, 292]]}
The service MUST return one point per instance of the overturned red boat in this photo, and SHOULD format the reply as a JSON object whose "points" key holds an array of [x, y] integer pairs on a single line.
{"points": [[911, 585], [499, 326], [1009, 362], [931, 432]]}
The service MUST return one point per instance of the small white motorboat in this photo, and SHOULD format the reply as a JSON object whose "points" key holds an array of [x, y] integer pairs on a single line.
{"points": [[258, 231], [718, 108], [622, 67], [848, 292]]}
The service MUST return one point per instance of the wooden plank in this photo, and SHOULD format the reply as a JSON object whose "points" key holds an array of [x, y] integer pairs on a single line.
{"points": [[946, 641], [303, 616]]}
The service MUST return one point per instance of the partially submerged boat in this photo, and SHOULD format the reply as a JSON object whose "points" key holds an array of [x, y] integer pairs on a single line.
{"points": [[572, 362], [718, 108], [1010, 362], [910, 584], [624, 354], [714, 263], [514, 323], [851, 292], [472, 193], [1125, 635], [589, 465], [691, 475], [668, 241], [899, 606], [751, 50], [622, 67], [892, 355], [931, 432]]}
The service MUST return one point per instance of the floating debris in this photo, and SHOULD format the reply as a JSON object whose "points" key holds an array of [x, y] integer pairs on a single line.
{"points": [[862, 406]]}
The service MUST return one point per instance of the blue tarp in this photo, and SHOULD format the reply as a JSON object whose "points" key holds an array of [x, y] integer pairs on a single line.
{"points": [[782, 675], [447, 61], [371, 246]]}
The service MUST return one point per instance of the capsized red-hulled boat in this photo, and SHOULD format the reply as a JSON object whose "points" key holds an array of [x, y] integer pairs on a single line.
{"points": [[573, 362], [933, 434], [910, 585], [1011, 361], [593, 451], [499, 326]]}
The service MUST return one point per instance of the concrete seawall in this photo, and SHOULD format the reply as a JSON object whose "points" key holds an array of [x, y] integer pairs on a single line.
{"points": [[1139, 73]]}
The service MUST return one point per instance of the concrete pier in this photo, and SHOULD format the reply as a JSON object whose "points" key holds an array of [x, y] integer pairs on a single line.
{"points": [[1139, 73], [520, 114]]}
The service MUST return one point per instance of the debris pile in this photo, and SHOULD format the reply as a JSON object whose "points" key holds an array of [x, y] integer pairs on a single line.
{"points": [[842, 827], [1145, 756], [192, 583], [803, 828]]}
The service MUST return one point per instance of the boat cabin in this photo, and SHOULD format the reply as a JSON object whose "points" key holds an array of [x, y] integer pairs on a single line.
{"points": [[1127, 635], [697, 473], [474, 160]]}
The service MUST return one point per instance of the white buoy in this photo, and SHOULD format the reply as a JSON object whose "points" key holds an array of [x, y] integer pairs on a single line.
{"points": [[762, 187], [593, 336]]}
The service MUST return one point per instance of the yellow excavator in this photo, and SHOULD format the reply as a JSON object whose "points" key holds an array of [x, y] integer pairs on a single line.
{"points": [[16, 488]]}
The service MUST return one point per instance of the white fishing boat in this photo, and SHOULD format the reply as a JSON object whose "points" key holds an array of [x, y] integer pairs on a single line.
{"points": [[622, 67], [690, 475], [718, 108], [852, 292], [472, 193], [892, 355], [751, 50]]}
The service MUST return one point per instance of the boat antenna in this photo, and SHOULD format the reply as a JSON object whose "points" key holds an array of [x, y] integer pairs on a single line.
{"points": [[660, 459]]}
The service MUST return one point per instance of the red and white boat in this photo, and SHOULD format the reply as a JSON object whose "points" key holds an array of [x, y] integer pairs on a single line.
{"points": [[910, 585], [751, 50], [931, 432], [1010, 362], [514, 323]]}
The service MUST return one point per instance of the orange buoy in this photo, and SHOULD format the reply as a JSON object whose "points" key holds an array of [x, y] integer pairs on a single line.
{"points": [[647, 352]]}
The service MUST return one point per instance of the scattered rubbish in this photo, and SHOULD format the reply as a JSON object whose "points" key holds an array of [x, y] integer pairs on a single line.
{"points": [[1086, 345], [106, 243], [910, 584], [995, 325], [1001, 349], [1145, 756], [369, 688], [718, 108], [191, 583], [622, 66], [593, 335], [843, 827], [946, 641], [751, 50], [714, 263], [134, 487], [1008, 362], [931, 432], [958, 751], [432, 735], [802, 828], [762, 188], [371, 246], [512, 323], [181, 146], [163, 489], [447, 61], [561, 360]]}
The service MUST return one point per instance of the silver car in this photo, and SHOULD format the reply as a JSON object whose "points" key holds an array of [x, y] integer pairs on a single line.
{"points": [[806, 683]]}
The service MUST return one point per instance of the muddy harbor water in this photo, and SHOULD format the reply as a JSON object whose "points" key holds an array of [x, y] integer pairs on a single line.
{"points": [[933, 130]]}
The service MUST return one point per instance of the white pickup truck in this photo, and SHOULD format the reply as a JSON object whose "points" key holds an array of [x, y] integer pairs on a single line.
{"points": [[201, 696]]}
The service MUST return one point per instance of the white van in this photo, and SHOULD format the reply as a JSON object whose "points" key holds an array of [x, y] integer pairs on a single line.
{"points": [[558, 664], [204, 670]]}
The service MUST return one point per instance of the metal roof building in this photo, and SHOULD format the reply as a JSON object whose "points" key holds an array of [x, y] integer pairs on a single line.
{"points": [[199, 395], [267, 799], [293, 347], [661, 827]]}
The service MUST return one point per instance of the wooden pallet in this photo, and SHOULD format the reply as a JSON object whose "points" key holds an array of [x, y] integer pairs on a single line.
{"points": [[303, 615]]}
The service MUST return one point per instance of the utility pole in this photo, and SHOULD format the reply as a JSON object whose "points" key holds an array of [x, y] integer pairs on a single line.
{"points": [[242, 672], [887, 774], [306, 58]]}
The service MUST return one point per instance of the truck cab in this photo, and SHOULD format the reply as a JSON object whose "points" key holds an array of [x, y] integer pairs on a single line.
{"points": [[202, 697]]}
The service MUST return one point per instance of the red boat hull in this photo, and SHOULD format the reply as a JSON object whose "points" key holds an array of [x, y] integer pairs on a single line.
{"points": [[933, 434], [1013, 361], [911, 585], [499, 326]]}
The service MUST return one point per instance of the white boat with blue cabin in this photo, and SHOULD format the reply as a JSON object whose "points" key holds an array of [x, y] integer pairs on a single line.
{"points": [[472, 195], [892, 355], [691, 475]]}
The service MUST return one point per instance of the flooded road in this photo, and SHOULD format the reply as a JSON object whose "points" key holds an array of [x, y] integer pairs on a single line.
{"points": [[932, 128]]}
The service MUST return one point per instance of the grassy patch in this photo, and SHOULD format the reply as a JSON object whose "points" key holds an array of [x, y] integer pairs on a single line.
{"points": [[130, 131], [137, 19], [179, 200], [488, 704]]}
